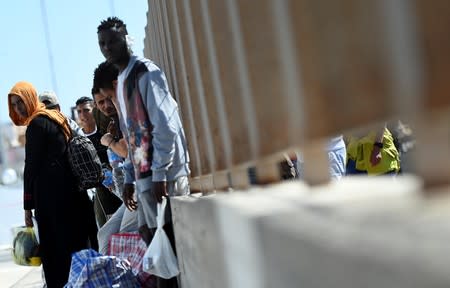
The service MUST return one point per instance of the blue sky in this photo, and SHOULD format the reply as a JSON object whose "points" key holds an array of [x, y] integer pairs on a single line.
{"points": [[73, 35]]}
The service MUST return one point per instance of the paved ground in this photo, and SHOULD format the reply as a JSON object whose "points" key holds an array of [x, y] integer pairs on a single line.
{"points": [[16, 276], [11, 211], [11, 215]]}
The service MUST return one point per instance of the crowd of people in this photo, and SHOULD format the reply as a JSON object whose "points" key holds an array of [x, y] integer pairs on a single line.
{"points": [[382, 151], [134, 123]]}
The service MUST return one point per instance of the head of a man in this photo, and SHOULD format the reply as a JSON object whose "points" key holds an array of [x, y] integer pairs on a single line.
{"points": [[50, 100], [104, 103], [112, 40], [84, 106], [104, 90]]}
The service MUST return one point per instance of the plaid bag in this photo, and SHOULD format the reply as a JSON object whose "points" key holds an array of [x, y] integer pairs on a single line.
{"points": [[130, 246], [84, 162], [89, 269]]}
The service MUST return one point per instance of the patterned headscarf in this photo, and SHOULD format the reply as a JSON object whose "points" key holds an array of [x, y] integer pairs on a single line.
{"points": [[29, 96]]}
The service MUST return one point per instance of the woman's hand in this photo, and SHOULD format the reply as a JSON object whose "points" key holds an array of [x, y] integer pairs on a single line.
{"points": [[28, 218]]}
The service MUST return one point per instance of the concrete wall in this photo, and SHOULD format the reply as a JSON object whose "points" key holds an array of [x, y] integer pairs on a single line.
{"points": [[255, 79], [289, 235]]}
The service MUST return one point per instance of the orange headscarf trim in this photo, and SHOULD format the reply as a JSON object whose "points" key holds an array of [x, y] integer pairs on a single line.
{"points": [[34, 108]]}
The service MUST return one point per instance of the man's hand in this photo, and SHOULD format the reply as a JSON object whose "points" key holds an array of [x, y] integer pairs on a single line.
{"points": [[112, 128], [375, 157], [160, 190], [128, 199], [28, 220], [107, 139]]}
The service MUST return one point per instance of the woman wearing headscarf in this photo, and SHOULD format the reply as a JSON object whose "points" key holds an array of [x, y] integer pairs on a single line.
{"points": [[61, 210]]}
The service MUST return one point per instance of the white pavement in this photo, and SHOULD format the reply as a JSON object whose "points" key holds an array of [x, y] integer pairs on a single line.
{"points": [[16, 276]]}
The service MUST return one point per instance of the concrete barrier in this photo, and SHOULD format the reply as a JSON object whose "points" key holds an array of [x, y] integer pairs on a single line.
{"points": [[324, 252], [199, 243], [285, 234]]}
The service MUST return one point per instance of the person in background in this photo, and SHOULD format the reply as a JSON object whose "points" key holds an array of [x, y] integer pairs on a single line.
{"points": [[157, 144], [49, 185], [337, 158], [51, 101], [123, 220], [293, 166], [373, 154], [105, 202]]}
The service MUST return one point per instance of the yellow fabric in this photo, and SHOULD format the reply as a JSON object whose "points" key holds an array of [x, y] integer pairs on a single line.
{"points": [[352, 148], [360, 151], [29, 96]]}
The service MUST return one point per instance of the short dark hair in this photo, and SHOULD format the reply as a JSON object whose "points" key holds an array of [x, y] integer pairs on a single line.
{"points": [[104, 75], [95, 90], [112, 22], [83, 100]]}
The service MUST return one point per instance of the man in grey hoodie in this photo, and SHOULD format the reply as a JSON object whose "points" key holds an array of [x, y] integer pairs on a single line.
{"points": [[156, 140]]}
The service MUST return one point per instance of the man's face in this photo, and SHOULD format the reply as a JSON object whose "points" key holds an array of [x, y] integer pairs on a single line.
{"points": [[85, 115], [104, 104], [113, 45]]}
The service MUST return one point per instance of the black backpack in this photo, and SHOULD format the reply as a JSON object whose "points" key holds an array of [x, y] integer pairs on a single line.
{"points": [[84, 162]]}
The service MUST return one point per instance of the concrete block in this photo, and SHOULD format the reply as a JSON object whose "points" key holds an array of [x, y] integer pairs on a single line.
{"points": [[199, 243], [237, 215], [287, 234], [319, 251]]}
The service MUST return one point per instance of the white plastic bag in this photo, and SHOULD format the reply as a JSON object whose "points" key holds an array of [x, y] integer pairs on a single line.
{"points": [[159, 258], [35, 228]]}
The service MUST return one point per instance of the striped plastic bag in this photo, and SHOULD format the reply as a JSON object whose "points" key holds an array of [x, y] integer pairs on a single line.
{"points": [[130, 246], [89, 269]]}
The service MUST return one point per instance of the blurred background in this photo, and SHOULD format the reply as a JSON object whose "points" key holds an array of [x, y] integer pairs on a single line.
{"points": [[53, 45]]}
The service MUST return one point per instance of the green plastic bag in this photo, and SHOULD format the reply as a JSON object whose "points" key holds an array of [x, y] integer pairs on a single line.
{"points": [[25, 247]]}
